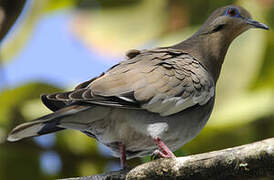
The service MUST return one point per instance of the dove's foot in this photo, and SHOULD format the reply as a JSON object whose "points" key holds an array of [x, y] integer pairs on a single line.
{"points": [[163, 151]]}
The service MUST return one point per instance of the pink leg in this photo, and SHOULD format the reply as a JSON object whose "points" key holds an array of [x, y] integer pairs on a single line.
{"points": [[122, 150], [165, 151]]}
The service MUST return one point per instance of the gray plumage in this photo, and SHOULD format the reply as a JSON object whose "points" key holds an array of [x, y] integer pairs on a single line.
{"points": [[165, 93]]}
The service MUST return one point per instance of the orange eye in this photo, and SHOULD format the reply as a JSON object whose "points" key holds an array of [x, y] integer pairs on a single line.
{"points": [[232, 12]]}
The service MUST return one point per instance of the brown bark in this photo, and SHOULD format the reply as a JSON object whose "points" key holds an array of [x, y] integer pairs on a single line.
{"points": [[243, 162]]}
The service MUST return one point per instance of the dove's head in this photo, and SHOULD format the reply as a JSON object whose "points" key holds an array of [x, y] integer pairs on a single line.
{"points": [[210, 43], [230, 21]]}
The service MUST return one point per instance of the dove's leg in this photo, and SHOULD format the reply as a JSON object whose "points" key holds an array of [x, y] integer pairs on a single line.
{"points": [[164, 152], [122, 150]]}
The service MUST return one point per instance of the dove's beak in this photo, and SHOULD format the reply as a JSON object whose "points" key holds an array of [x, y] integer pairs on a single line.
{"points": [[256, 24]]}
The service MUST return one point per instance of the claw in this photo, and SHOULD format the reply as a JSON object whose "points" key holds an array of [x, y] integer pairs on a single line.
{"points": [[164, 152], [155, 155]]}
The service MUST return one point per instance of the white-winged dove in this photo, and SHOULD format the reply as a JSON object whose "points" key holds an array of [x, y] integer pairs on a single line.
{"points": [[153, 102]]}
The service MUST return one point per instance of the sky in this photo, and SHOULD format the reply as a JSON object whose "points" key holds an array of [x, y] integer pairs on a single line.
{"points": [[53, 55]]}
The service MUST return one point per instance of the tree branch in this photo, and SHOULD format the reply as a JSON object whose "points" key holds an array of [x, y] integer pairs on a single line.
{"points": [[244, 162]]}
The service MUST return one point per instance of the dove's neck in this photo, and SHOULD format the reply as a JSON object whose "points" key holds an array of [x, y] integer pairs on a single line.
{"points": [[208, 49]]}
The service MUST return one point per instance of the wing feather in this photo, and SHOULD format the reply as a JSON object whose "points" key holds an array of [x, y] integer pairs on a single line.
{"points": [[162, 80]]}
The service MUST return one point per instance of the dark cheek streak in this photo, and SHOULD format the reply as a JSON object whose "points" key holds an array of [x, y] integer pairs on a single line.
{"points": [[219, 27]]}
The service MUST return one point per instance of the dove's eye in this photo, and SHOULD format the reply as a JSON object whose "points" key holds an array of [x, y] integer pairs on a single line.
{"points": [[232, 12]]}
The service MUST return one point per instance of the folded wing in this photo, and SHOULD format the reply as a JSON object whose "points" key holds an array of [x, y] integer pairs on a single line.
{"points": [[164, 81]]}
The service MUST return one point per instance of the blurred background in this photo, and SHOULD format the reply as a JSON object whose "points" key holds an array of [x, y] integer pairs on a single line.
{"points": [[56, 44]]}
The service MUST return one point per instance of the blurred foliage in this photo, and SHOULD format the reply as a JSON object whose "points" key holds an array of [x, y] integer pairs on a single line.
{"points": [[96, 29], [53, 5], [9, 12], [35, 10], [15, 99], [244, 110]]}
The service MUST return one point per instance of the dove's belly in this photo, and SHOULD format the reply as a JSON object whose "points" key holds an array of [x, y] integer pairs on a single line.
{"points": [[135, 129]]}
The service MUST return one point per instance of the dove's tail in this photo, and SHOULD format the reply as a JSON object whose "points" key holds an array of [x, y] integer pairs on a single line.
{"points": [[43, 125], [37, 127]]}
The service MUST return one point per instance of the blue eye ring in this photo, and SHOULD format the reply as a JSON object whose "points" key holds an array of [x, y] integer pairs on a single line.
{"points": [[232, 12]]}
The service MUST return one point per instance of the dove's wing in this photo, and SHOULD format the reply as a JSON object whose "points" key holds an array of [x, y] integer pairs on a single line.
{"points": [[164, 81]]}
